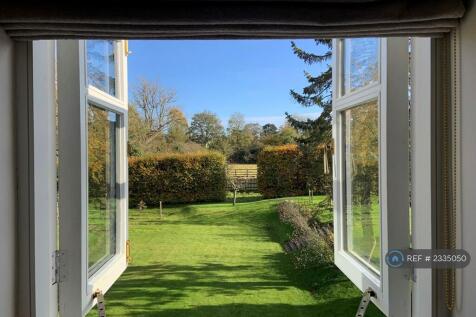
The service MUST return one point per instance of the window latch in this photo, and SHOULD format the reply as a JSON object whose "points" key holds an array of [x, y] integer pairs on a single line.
{"points": [[101, 305], [364, 302]]}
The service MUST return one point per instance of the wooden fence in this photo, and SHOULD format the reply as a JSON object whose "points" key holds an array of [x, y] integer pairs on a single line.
{"points": [[246, 179]]}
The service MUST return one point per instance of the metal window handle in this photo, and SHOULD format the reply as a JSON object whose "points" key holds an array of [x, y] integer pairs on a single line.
{"points": [[100, 303], [364, 302]]}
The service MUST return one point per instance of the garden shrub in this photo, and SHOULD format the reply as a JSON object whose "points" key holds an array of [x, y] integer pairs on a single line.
{"points": [[177, 178], [317, 244], [279, 171]]}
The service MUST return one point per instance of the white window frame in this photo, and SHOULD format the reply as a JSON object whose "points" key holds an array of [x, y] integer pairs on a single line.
{"points": [[391, 286], [36, 168], [76, 288], [423, 117]]}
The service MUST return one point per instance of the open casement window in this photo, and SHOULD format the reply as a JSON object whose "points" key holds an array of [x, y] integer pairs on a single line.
{"points": [[371, 182], [92, 103]]}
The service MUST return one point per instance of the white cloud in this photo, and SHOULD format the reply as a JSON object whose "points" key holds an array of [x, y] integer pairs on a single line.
{"points": [[279, 120], [262, 120]]}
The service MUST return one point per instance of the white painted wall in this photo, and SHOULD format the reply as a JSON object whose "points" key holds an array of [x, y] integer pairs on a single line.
{"points": [[7, 179], [467, 302]]}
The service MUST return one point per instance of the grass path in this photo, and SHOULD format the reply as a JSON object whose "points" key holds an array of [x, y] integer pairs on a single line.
{"points": [[209, 260]]}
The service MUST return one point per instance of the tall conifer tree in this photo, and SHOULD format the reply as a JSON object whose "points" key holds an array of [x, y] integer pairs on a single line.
{"points": [[315, 134]]}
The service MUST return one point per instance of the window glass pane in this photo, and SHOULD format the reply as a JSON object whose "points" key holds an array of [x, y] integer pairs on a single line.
{"points": [[361, 186], [102, 187], [102, 65], [360, 63]]}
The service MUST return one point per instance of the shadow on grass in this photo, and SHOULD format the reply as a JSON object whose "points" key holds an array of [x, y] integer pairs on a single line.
{"points": [[333, 308], [255, 286], [149, 287], [161, 284], [168, 290]]}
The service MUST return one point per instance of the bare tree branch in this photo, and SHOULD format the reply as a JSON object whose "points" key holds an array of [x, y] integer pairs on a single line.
{"points": [[154, 102]]}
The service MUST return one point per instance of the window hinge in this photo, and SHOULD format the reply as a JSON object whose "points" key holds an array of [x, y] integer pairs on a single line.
{"points": [[411, 276], [57, 267], [126, 48], [364, 302]]}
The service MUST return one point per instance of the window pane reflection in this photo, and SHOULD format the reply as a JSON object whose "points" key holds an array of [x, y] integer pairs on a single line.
{"points": [[361, 186], [101, 62], [102, 187], [360, 63]]}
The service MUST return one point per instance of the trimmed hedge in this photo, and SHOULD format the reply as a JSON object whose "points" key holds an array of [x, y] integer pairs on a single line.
{"points": [[279, 171], [177, 178]]}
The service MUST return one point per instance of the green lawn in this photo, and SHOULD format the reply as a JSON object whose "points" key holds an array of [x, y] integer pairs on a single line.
{"points": [[208, 260]]}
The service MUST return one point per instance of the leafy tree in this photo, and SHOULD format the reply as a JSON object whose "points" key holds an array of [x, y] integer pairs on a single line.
{"points": [[177, 134], [269, 129], [254, 130], [315, 134], [238, 141], [207, 130], [285, 135], [236, 122], [243, 140], [137, 132]]}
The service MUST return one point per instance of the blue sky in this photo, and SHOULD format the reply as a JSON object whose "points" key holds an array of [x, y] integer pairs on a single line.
{"points": [[252, 77]]}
